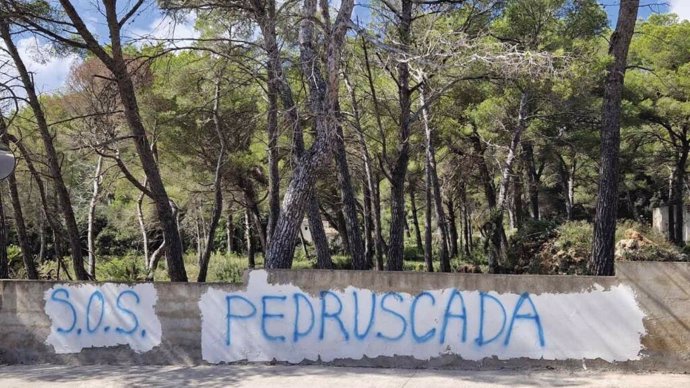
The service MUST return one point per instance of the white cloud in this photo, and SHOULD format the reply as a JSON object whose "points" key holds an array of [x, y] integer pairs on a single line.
{"points": [[172, 32], [680, 8], [50, 70]]}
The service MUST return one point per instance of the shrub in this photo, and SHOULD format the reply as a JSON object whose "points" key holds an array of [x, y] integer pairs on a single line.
{"points": [[130, 267], [228, 271], [526, 243], [412, 252]]}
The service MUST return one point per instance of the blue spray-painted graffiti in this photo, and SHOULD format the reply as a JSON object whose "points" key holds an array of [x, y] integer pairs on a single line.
{"points": [[268, 321], [98, 305], [331, 320], [285, 323], [107, 314]]}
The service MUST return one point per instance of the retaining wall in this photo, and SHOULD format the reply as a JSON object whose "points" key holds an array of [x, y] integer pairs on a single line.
{"points": [[639, 319]]}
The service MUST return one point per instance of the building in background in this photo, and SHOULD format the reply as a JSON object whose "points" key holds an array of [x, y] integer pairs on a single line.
{"points": [[660, 221]]}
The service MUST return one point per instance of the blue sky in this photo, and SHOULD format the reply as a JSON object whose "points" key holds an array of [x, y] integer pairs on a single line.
{"points": [[51, 72], [648, 7]]}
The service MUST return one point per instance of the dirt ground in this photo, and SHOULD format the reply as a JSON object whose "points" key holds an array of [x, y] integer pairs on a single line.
{"points": [[259, 375]]}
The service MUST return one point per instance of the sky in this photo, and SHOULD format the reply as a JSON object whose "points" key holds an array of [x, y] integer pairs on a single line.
{"points": [[51, 71]]}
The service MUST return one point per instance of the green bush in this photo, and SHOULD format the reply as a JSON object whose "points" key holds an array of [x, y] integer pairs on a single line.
{"points": [[525, 244], [412, 252], [111, 242], [228, 271], [477, 256], [127, 268], [576, 237], [416, 266], [341, 262]]}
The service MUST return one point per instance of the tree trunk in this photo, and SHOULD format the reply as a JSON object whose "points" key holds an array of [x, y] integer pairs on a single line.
{"points": [[378, 230], [516, 203], [41, 237], [370, 220], [323, 95], [499, 240], [337, 221], [601, 262], [211, 233], [428, 242], [117, 64], [374, 184], [495, 233], [318, 234], [97, 180], [397, 226], [432, 182], [484, 177], [369, 246], [532, 179], [399, 171], [466, 223], [452, 228], [568, 182], [53, 223], [671, 234], [199, 248], [4, 238], [217, 188], [304, 245], [415, 218], [51, 153], [265, 13], [570, 203], [142, 226], [349, 203], [229, 233], [4, 263], [507, 170], [259, 228], [251, 261], [251, 204], [152, 262], [272, 148], [22, 235], [678, 190]]}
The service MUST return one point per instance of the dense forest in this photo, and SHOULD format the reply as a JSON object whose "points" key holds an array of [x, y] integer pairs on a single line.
{"points": [[505, 136]]}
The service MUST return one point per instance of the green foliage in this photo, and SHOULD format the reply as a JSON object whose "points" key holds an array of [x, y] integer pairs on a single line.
{"points": [[227, 268], [111, 242], [525, 244], [575, 237], [460, 52], [123, 268], [567, 248], [412, 252]]}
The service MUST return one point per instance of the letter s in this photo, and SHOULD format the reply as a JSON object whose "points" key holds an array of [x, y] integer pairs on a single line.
{"points": [[54, 298], [127, 311]]}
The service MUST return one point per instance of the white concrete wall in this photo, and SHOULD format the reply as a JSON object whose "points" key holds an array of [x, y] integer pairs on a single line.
{"points": [[285, 323], [102, 315], [359, 318]]}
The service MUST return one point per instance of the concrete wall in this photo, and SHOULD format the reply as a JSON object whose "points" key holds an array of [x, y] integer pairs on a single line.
{"points": [[639, 320]]}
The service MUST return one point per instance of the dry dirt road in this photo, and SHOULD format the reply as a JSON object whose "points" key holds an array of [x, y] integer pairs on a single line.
{"points": [[257, 375]]}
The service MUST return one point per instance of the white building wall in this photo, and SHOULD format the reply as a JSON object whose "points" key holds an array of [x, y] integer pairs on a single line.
{"points": [[660, 221]]}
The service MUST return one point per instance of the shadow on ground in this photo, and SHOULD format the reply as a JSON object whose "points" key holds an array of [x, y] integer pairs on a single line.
{"points": [[313, 376]]}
